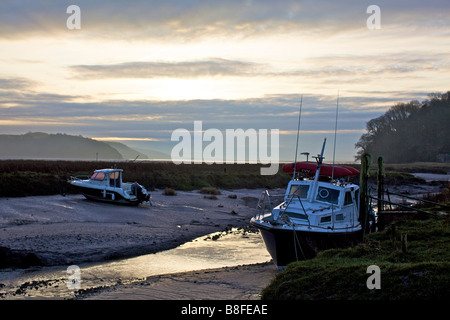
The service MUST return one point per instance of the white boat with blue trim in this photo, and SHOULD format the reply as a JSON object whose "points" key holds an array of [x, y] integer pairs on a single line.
{"points": [[106, 185], [315, 214]]}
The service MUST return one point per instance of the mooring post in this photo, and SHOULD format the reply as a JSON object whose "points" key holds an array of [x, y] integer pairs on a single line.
{"points": [[363, 196], [380, 184], [380, 194], [404, 241]]}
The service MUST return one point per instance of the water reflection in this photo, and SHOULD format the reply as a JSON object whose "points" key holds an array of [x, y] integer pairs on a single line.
{"points": [[232, 248]]}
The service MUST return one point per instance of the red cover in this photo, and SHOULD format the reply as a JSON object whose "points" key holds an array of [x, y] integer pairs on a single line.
{"points": [[325, 169]]}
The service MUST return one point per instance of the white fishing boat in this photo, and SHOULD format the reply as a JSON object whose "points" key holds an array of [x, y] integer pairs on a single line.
{"points": [[315, 214], [106, 185]]}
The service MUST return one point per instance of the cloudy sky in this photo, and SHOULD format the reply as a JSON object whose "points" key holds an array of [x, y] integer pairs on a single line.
{"points": [[137, 70]]}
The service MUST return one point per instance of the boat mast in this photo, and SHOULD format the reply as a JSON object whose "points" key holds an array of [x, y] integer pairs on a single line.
{"points": [[334, 154], [335, 132], [298, 131]]}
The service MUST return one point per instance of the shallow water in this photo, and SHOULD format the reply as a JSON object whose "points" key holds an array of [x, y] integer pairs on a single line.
{"points": [[428, 177], [236, 247]]}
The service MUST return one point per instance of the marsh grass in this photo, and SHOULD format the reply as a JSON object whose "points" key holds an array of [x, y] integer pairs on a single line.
{"points": [[422, 272], [42, 177], [442, 198], [46, 177], [400, 173], [420, 167]]}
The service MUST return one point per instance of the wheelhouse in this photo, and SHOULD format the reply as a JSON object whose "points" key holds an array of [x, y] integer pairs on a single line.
{"points": [[338, 195], [109, 177]]}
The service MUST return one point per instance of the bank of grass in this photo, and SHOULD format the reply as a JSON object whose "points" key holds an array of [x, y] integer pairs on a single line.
{"points": [[419, 167], [43, 177], [400, 173], [411, 167], [421, 272], [46, 177], [442, 198]]}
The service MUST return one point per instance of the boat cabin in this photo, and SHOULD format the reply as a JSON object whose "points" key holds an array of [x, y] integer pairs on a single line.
{"points": [[339, 195], [109, 177], [321, 204]]}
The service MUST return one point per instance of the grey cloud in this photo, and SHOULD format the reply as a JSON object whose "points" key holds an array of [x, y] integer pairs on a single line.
{"points": [[16, 83], [157, 119], [192, 19], [267, 112], [401, 61], [348, 68], [186, 69], [146, 19]]}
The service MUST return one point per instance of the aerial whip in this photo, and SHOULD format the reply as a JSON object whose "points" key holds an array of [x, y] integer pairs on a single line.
{"points": [[298, 131]]}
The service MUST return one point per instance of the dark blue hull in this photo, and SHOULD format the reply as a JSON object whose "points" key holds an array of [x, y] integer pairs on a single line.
{"points": [[286, 246], [97, 194]]}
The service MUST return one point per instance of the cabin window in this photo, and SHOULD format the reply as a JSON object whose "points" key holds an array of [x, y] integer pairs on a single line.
{"points": [[114, 179], [339, 217], [297, 215], [99, 176], [328, 195], [348, 198], [300, 191]]}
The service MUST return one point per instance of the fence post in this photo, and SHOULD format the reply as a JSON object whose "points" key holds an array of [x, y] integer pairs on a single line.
{"points": [[404, 241], [363, 197], [380, 184]]}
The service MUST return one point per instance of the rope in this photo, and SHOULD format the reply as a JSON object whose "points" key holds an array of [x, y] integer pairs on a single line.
{"points": [[297, 241]]}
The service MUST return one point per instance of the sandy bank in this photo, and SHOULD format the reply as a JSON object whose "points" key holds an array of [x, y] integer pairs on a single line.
{"points": [[69, 230]]}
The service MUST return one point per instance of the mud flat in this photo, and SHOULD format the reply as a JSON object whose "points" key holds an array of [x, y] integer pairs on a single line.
{"points": [[244, 282], [61, 231], [58, 230]]}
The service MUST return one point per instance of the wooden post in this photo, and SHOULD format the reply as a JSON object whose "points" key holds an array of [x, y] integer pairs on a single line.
{"points": [[393, 235], [404, 241], [380, 193], [380, 184], [363, 198]]}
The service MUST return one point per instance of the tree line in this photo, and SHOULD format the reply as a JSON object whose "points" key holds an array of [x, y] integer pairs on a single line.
{"points": [[410, 132]]}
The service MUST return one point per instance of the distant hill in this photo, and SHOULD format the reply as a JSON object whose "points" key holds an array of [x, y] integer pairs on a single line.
{"points": [[153, 154], [126, 151], [38, 145]]}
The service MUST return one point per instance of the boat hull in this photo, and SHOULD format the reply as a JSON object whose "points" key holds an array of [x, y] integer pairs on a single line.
{"points": [[286, 246], [97, 194]]}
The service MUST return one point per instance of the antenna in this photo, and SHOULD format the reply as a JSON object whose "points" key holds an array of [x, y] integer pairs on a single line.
{"points": [[335, 133], [319, 160], [306, 154], [334, 153], [298, 130], [320, 157]]}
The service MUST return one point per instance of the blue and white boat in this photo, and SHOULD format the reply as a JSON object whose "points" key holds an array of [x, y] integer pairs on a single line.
{"points": [[315, 214], [106, 185]]}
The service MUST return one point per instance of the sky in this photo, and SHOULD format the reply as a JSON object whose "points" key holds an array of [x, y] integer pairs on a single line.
{"points": [[135, 71]]}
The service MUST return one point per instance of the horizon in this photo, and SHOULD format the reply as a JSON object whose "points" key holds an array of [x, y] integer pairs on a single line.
{"points": [[135, 74]]}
